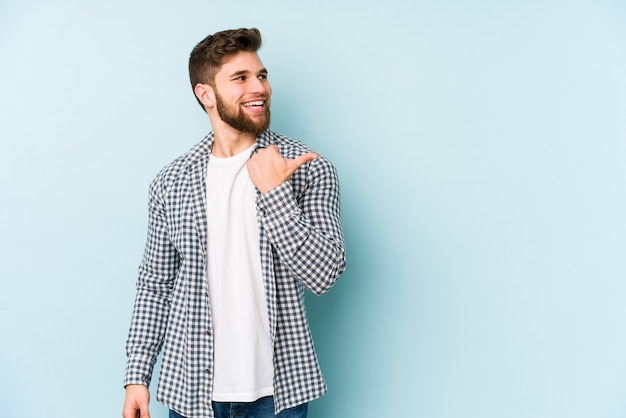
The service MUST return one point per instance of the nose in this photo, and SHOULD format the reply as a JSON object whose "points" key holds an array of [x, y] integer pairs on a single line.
{"points": [[256, 85]]}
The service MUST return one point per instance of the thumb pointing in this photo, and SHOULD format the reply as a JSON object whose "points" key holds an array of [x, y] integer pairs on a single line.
{"points": [[303, 159]]}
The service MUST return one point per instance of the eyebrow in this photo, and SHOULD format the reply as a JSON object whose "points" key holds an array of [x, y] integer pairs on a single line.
{"points": [[244, 72]]}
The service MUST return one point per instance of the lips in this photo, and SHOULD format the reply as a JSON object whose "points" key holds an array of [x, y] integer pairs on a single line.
{"points": [[256, 106]]}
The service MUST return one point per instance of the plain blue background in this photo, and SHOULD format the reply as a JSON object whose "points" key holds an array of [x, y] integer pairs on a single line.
{"points": [[481, 148]]}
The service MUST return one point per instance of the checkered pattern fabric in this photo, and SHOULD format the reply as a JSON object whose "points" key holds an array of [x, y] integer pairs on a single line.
{"points": [[301, 247]]}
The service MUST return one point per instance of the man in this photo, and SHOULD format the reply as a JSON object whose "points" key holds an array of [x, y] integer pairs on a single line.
{"points": [[239, 226]]}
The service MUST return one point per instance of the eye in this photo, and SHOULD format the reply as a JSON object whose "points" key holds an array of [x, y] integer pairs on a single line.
{"points": [[241, 78], [262, 76]]}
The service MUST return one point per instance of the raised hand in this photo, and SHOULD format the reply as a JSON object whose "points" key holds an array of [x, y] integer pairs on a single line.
{"points": [[268, 169]]}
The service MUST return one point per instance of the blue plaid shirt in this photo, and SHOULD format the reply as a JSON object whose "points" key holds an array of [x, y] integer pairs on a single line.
{"points": [[302, 246]]}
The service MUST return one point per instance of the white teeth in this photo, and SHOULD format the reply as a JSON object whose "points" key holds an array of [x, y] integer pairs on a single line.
{"points": [[255, 103]]}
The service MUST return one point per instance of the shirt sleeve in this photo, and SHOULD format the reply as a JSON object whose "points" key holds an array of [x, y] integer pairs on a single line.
{"points": [[157, 271], [306, 232]]}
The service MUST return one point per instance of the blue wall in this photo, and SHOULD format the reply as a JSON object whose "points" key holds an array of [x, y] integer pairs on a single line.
{"points": [[481, 147]]}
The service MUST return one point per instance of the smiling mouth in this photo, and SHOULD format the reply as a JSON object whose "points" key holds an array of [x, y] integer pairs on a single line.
{"points": [[254, 104]]}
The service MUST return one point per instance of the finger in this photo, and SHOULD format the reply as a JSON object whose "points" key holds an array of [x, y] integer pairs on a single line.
{"points": [[271, 149], [131, 412], [303, 159], [143, 410]]}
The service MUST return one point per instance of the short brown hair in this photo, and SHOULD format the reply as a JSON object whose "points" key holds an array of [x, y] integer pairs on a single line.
{"points": [[207, 57]]}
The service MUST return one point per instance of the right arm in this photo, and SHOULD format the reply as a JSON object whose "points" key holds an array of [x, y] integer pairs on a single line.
{"points": [[157, 272]]}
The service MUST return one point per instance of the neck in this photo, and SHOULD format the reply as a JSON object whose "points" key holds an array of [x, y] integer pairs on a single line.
{"points": [[229, 141]]}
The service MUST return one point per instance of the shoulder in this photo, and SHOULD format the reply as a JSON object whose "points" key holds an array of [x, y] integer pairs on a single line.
{"points": [[169, 174], [289, 147], [292, 148]]}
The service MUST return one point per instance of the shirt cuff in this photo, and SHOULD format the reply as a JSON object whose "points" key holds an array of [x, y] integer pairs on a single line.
{"points": [[282, 217]]}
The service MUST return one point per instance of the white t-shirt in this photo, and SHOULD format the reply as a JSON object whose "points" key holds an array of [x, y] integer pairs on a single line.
{"points": [[243, 355]]}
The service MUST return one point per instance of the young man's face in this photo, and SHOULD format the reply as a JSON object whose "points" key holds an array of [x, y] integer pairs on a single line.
{"points": [[243, 93]]}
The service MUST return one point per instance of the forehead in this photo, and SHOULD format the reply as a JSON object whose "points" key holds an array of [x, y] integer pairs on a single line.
{"points": [[248, 62]]}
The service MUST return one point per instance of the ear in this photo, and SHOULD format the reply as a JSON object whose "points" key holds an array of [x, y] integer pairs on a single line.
{"points": [[206, 94]]}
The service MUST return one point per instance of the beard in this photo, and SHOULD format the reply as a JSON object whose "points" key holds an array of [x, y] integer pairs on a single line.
{"points": [[238, 120]]}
